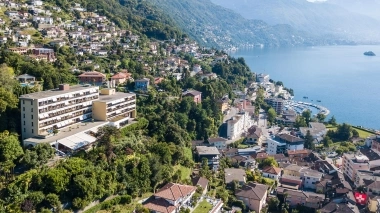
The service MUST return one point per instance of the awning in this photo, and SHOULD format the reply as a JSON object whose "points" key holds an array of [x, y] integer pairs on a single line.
{"points": [[77, 141]]}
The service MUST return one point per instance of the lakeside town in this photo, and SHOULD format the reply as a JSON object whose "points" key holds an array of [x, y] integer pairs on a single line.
{"points": [[267, 153]]}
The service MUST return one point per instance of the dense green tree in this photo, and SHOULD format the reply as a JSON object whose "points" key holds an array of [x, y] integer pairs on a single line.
{"points": [[327, 141], [306, 114], [355, 133], [321, 117], [272, 115], [38, 155], [300, 122], [309, 144], [343, 132], [273, 204], [332, 121], [270, 161], [205, 169]]}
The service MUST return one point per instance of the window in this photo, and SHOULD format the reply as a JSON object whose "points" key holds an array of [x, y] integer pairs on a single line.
{"points": [[24, 130], [32, 131], [308, 178], [32, 116], [31, 110], [32, 123], [31, 103], [23, 109], [24, 115], [23, 101], [24, 122]]}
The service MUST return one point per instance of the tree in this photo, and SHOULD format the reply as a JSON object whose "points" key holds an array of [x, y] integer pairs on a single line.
{"points": [[7, 100], [321, 117], [309, 144], [327, 141], [300, 122], [38, 155], [268, 162], [271, 115], [10, 148], [355, 133], [307, 115], [205, 169], [332, 121], [273, 204], [343, 132]]}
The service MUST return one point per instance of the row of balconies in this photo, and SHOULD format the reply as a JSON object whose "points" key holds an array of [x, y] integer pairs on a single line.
{"points": [[125, 100], [59, 106], [77, 114], [68, 110], [119, 107], [60, 99], [122, 111]]}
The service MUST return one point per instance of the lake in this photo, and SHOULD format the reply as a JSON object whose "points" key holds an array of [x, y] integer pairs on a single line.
{"points": [[346, 81]]}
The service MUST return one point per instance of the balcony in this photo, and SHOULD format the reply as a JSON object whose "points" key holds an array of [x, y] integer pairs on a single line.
{"points": [[65, 118], [70, 103], [122, 101], [119, 107], [65, 111], [61, 99]]}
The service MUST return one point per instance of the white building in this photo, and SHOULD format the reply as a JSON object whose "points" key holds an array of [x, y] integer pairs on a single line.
{"points": [[238, 124], [272, 172], [310, 178], [351, 163], [275, 147], [262, 78]]}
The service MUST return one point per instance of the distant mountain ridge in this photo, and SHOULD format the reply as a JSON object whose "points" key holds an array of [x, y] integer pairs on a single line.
{"points": [[333, 17]]}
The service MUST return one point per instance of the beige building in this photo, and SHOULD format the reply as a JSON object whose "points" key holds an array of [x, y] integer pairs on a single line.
{"points": [[253, 195], [68, 116], [351, 163]]}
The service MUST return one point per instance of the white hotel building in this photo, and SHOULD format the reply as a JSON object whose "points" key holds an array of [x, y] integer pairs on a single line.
{"points": [[75, 112], [238, 125]]}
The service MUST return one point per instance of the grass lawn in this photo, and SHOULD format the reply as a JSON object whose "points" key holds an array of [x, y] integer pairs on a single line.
{"points": [[242, 146], [203, 207], [185, 172], [188, 153], [363, 133]]}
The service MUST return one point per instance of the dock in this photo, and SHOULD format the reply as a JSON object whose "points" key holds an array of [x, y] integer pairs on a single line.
{"points": [[300, 106]]}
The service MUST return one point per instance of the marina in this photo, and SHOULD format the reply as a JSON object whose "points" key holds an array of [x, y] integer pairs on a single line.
{"points": [[299, 107]]}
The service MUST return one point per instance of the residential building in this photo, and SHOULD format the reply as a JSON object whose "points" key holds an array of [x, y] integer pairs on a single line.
{"points": [[26, 78], [197, 68], [49, 53], [374, 143], [170, 198], [296, 155], [293, 170], [288, 118], [324, 167], [253, 195], [351, 163], [276, 147], [249, 151], [232, 174], [276, 103], [290, 182], [292, 142], [219, 143], [373, 194], [255, 136], [334, 207], [93, 78], [262, 78], [295, 198], [120, 77], [211, 154], [363, 176], [70, 111], [238, 124], [272, 172], [115, 107], [142, 84], [196, 95], [223, 104], [202, 182], [310, 178], [317, 130]]}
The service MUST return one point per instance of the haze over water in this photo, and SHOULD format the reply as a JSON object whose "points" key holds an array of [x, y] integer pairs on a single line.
{"points": [[346, 81]]}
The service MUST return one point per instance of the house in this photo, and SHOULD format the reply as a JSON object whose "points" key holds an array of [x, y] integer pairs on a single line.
{"points": [[296, 155], [158, 80], [333, 207], [253, 195], [255, 135], [310, 178], [272, 172], [120, 77], [202, 182], [196, 95], [170, 198], [230, 152], [290, 182], [223, 103], [92, 77], [317, 130], [293, 170], [324, 167], [197, 68], [296, 197], [364, 175], [373, 194], [12, 14], [292, 142], [232, 174], [262, 78], [219, 143], [26, 78], [142, 84], [211, 154], [249, 151], [275, 147]]}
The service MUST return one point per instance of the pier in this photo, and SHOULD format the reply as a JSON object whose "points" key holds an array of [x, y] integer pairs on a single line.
{"points": [[300, 106]]}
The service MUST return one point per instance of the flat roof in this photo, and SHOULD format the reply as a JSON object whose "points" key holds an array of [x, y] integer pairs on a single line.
{"points": [[205, 150], [55, 92], [114, 97], [66, 132]]}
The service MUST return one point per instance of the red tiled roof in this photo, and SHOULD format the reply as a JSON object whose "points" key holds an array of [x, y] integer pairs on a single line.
{"points": [[159, 205], [294, 152], [119, 76], [173, 191], [272, 170], [92, 74]]}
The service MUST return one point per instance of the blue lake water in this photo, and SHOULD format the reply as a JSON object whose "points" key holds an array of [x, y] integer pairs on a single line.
{"points": [[346, 81]]}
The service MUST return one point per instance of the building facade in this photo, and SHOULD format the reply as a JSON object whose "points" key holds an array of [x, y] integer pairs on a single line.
{"points": [[351, 163], [238, 124]]}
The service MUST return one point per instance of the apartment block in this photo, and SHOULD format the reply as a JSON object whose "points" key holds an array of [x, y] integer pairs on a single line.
{"points": [[238, 125], [351, 163], [68, 117]]}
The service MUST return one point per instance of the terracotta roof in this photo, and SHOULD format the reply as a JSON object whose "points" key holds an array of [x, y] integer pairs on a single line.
{"points": [[200, 181], [261, 155], [173, 191], [92, 74], [120, 76], [191, 93], [272, 170], [159, 205], [290, 138], [295, 152], [253, 191], [254, 132]]}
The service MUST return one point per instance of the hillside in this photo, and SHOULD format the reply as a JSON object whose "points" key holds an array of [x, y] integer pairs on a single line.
{"points": [[365, 7], [319, 18], [214, 25]]}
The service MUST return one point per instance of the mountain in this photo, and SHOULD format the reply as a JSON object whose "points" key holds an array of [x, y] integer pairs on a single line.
{"points": [[365, 7], [213, 25], [318, 17]]}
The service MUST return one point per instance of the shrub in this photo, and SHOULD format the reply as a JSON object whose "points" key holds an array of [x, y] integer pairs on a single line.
{"points": [[125, 199]]}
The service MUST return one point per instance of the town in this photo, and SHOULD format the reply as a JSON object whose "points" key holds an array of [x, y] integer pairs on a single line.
{"points": [[173, 127]]}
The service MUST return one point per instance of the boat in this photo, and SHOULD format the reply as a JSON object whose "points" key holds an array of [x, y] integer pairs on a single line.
{"points": [[318, 100], [305, 97], [369, 53]]}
